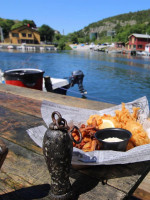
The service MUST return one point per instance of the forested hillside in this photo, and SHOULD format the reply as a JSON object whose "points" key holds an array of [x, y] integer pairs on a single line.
{"points": [[123, 25]]}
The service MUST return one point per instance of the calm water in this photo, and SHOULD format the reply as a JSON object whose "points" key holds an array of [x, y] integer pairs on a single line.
{"points": [[108, 77]]}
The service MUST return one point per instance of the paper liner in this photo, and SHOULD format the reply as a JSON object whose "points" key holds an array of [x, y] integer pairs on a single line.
{"points": [[77, 116]]}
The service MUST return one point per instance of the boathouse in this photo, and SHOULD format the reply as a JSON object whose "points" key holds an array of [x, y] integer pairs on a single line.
{"points": [[23, 34], [138, 41], [119, 44]]}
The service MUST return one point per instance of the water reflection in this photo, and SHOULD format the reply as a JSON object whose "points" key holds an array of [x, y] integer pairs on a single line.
{"points": [[112, 78]]}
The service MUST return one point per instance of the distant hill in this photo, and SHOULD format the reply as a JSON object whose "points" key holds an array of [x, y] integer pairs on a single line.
{"points": [[123, 25]]}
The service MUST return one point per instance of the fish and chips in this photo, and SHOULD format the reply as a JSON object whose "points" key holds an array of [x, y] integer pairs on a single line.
{"points": [[122, 119]]}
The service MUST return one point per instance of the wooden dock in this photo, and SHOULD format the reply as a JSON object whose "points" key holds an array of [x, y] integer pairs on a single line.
{"points": [[24, 174], [27, 47]]}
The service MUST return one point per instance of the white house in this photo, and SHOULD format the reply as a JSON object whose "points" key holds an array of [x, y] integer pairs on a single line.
{"points": [[147, 48]]}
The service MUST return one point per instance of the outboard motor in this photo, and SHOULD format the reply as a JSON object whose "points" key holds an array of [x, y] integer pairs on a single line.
{"points": [[48, 84], [77, 78]]}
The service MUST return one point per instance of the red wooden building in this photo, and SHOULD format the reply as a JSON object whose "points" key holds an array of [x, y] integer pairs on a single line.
{"points": [[138, 41]]}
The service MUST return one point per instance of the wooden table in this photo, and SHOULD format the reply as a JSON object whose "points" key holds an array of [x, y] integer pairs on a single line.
{"points": [[24, 174]]}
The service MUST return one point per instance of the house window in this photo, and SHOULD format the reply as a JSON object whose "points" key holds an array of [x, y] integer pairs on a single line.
{"points": [[23, 41], [29, 35], [134, 46], [23, 34], [140, 46], [15, 35]]}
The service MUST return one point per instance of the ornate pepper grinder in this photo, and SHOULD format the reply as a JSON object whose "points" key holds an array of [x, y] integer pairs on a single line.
{"points": [[57, 150]]}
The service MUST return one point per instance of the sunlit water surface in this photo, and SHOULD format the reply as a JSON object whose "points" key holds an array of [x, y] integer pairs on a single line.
{"points": [[112, 78]]}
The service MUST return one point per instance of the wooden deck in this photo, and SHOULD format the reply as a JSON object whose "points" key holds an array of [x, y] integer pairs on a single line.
{"points": [[24, 174]]}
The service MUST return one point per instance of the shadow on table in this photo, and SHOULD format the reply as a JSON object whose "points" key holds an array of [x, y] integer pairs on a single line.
{"points": [[86, 180], [91, 176], [42, 191], [106, 172], [82, 184], [29, 193]]}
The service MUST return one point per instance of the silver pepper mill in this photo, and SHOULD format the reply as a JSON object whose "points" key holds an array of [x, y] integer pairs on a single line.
{"points": [[57, 150]]}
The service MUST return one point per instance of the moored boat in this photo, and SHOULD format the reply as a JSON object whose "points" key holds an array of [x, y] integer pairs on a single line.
{"points": [[33, 78], [10, 47]]}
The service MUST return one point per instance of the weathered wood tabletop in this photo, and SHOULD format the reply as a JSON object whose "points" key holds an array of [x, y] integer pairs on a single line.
{"points": [[24, 174]]}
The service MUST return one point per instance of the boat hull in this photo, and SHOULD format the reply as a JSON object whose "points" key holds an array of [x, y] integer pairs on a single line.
{"points": [[30, 78]]}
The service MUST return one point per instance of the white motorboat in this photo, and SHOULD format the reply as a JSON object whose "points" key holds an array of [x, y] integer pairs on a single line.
{"points": [[10, 47], [33, 78]]}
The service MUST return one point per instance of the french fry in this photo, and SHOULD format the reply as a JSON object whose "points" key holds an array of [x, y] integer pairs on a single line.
{"points": [[122, 119], [93, 146], [87, 139], [87, 146], [77, 138], [87, 143], [74, 134]]}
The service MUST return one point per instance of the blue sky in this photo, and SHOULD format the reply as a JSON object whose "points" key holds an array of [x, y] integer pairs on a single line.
{"points": [[68, 15]]}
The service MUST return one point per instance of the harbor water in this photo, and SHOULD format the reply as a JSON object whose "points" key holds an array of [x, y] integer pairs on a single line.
{"points": [[111, 78]]}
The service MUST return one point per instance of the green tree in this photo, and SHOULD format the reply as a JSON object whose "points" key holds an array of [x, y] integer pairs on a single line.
{"points": [[9, 23], [22, 23], [17, 25], [57, 37], [61, 44], [117, 27], [148, 30], [31, 23], [81, 40], [6, 26], [46, 33], [73, 38], [87, 39], [3, 26]]}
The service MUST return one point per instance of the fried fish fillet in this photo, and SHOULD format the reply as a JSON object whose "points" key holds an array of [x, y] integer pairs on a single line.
{"points": [[126, 120]]}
